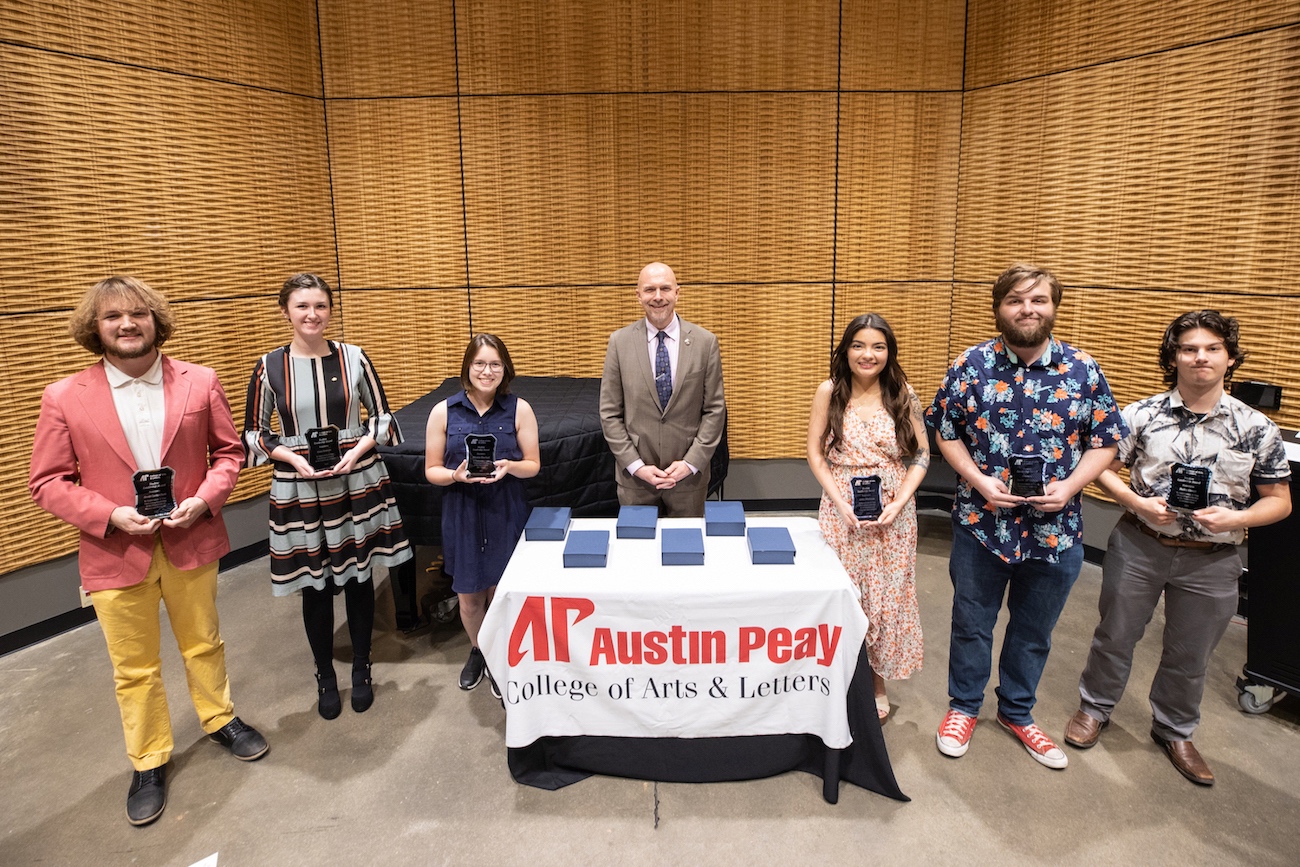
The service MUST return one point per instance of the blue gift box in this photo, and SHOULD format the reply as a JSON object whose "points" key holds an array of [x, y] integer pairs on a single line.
{"points": [[547, 524], [682, 547], [724, 518], [637, 522], [586, 548], [770, 545]]}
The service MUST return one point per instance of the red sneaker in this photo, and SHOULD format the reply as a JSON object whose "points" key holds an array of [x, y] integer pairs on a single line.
{"points": [[1039, 745], [954, 733]]}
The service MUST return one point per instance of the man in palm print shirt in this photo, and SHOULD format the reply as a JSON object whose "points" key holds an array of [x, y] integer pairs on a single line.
{"points": [[1028, 404], [1181, 544]]}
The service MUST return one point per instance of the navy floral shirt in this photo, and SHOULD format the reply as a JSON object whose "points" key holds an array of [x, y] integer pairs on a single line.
{"points": [[1057, 407]]}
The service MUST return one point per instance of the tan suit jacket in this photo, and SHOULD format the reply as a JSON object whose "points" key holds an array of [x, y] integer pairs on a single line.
{"points": [[634, 423], [82, 466]]}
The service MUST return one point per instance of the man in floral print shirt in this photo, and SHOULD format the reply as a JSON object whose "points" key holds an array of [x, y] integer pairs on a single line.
{"points": [[1028, 403]]}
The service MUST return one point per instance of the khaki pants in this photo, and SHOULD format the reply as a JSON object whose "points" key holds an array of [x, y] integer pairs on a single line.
{"points": [[129, 618]]}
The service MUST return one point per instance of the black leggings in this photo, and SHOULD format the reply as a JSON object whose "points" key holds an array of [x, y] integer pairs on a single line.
{"points": [[318, 618]]}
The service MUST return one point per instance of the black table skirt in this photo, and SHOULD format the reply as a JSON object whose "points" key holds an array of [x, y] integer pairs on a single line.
{"points": [[555, 762]]}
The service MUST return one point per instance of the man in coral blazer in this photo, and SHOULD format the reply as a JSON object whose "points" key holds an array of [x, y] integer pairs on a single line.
{"points": [[661, 402], [137, 410]]}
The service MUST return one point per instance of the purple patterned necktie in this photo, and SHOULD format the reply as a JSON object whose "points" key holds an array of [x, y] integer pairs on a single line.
{"points": [[663, 373]]}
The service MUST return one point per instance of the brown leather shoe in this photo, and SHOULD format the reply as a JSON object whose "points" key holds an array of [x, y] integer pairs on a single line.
{"points": [[1187, 760], [1083, 730]]}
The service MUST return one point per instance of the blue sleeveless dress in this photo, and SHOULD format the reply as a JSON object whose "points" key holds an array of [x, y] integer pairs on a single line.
{"points": [[481, 523]]}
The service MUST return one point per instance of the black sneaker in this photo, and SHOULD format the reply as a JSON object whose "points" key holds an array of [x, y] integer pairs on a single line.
{"points": [[496, 690], [472, 673], [241, 739], [148, 795]]}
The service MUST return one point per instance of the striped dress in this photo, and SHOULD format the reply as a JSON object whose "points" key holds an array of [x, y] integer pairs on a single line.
{"points": [[324, 532]]}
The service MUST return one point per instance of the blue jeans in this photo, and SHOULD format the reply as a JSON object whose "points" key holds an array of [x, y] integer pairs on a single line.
{"points": [[1038, 590]]}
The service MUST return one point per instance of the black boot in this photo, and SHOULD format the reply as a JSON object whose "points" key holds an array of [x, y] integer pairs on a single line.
{"points": [[328, 703], [363, 694]]}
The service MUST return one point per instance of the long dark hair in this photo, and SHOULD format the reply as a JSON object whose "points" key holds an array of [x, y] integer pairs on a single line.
{"points": [[893, 388]]}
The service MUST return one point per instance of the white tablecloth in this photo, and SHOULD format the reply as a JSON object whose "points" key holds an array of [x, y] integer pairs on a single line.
{"points": [[643, 650]]}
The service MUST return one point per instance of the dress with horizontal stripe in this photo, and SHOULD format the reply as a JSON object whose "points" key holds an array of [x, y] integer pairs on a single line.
{"points": [[324, 532]]}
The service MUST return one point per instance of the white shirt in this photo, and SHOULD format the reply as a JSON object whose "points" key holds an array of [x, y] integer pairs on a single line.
{"points": [[672, 341], [140, 408]]}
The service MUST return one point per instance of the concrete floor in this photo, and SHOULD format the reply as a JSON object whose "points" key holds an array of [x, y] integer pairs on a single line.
{"points": [[421, 778]]}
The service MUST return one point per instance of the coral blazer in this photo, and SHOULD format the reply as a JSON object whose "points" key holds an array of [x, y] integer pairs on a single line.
{"points": [[82, 467]]}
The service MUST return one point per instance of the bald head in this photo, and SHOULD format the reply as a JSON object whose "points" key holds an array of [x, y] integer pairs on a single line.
{"points": [[656, 289]]}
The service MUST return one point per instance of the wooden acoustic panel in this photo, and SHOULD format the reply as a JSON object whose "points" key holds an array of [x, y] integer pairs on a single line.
{"points": [[1019, 39], [774, 354], [265, 43], [415, 338], [395, 166], [584, 190], [894, 45], [393, 48], [1178, 171], [917, 313], [200, 188], [897, 186], [572, 338], [619, 46]]}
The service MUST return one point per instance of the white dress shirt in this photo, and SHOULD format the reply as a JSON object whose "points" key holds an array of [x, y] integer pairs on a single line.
{"points": [[140, 408]]}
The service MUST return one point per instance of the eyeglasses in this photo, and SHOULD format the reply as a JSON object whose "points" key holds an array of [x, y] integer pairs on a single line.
{"points": [[480, 366]]}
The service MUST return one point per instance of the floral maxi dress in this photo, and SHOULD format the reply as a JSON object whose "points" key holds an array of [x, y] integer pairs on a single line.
{"points": [[881, 561]]}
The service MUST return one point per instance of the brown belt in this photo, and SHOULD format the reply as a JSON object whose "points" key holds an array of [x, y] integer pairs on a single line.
{"points": [[1173, 541]]}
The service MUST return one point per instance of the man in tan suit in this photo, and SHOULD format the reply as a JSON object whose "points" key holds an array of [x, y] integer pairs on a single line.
{"points": [[661, 402]]}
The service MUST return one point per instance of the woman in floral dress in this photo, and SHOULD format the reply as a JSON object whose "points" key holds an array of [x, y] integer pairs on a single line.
{"points": [[865, 421]]}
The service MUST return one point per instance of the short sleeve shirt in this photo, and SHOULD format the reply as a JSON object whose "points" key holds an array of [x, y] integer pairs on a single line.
{"points": [[1057, 407], [1237, 443]]}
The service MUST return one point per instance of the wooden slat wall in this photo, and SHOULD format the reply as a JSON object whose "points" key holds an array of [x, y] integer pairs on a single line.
{"points": [[177, 142], [510, 167]]}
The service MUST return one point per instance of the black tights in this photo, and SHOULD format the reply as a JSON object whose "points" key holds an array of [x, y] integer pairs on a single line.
{"points": [[318, 618]]}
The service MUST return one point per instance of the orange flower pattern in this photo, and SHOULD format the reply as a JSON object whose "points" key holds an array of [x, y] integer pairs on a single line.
{"points": [[880, 560]]}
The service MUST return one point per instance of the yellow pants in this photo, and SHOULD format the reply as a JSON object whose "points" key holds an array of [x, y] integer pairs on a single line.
{"points": [[129, 618]]}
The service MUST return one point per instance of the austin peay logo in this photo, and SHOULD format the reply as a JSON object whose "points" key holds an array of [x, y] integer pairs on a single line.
{"points": [[548, 639]]}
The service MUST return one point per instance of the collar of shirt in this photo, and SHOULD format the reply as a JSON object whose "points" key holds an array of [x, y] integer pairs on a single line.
{"points": [[118, 379], [673, 330], [462, 397], [1053, 356], [1176, 402]]}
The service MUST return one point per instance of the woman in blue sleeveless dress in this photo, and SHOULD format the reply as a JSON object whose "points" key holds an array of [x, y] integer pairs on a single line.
{"points": [[482, 516]]}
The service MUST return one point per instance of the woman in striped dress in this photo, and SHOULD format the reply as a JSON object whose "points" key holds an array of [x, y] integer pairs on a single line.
{"points": [[332, 519]]}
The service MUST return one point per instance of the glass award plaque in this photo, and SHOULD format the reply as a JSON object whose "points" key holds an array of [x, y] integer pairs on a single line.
{"points": [[1027, 475], [481, 455], [153, 492], [867, 503], [323, 448], [1189, 488]]}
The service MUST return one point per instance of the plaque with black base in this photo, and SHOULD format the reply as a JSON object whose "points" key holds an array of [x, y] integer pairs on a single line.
{"points": [[1189, 488], [153, 492], [1027, 475], [481, 455], [323, 448], [867, 503]]}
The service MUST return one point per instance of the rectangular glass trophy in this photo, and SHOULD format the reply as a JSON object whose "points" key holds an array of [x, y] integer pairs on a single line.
{"points": [[1189, 488], [481, 455], [1027, 475], [153, 492], [867, 503], [323, 447]]}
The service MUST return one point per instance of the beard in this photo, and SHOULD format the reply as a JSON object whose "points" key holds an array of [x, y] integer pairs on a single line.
{"points": [[1025, 337], [116, 350]]}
